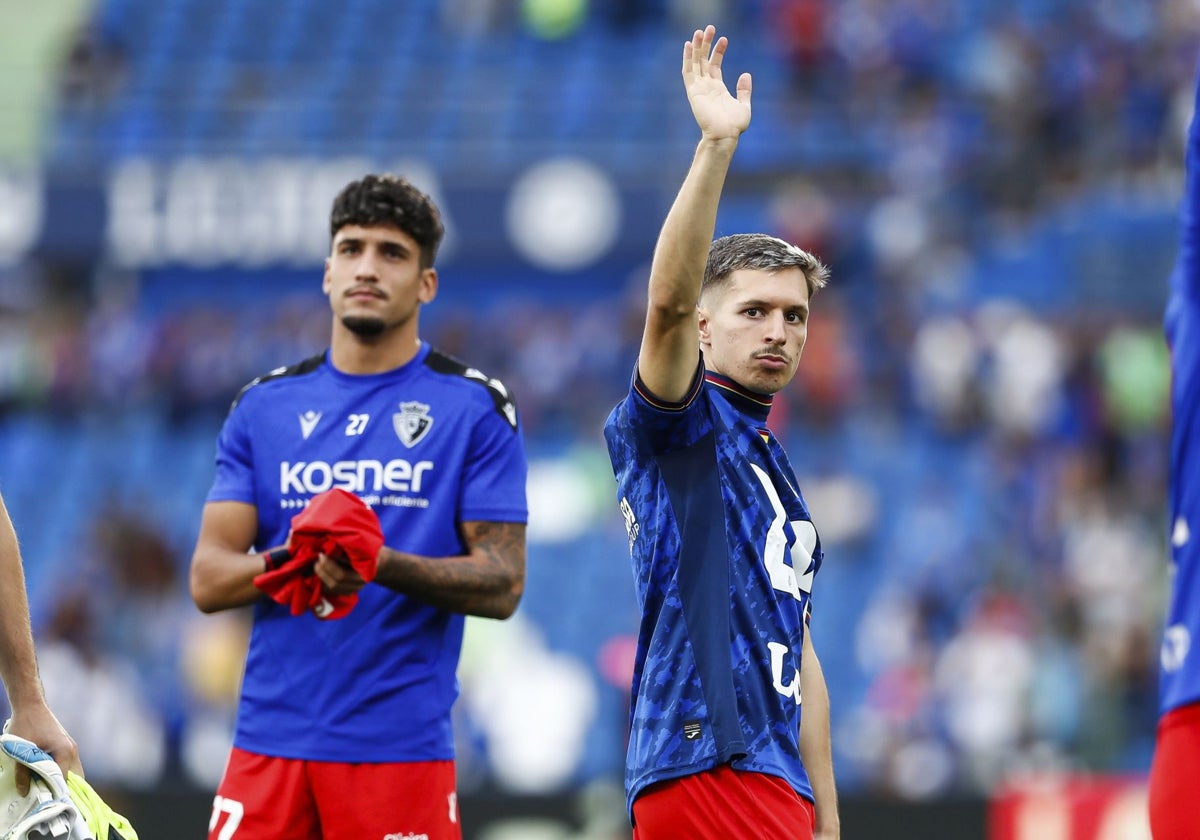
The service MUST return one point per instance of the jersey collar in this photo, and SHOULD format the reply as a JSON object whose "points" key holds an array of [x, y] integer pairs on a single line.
{"points": [[415, 363], [755, 406]]}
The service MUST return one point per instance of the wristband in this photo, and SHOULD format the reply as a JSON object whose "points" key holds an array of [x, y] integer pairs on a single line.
{"points": [[275, 558]]}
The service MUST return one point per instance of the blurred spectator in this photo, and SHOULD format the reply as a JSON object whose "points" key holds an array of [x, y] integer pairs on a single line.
{"points": [[93, 69], [100, 697]]}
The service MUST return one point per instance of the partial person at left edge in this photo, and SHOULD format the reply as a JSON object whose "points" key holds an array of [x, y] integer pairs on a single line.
{"points": [[47, 795], [344, 729], [31, 716]]}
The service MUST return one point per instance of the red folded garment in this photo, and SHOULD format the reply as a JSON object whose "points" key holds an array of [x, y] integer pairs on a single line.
{"points": [[294, 584], [341, 525], [335, 523]]}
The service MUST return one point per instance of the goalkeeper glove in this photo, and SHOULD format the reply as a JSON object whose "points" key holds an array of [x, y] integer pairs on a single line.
{"points": [[101, 820], [47, 810]]}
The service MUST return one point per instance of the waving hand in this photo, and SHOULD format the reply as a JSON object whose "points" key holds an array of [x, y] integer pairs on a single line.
{"points": [[718, 113], [670, 353]]}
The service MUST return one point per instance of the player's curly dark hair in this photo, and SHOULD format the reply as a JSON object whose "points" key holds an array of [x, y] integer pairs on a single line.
{"points": [[391, 201], [767, 253]]}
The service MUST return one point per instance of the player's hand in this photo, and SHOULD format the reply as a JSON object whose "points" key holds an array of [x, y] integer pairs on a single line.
{"points": [[719, 114], [39, 725], [337, 576]]}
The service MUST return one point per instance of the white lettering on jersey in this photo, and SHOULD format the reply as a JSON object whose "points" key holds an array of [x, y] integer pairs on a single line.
{"points": [[792, 689], [631, 523], [802, 553], [357, 424], [776, 553], [1177, 641], [1181, 533], [396, 475]]}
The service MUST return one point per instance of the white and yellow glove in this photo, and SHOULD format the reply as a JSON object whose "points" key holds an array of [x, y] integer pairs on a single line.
{"points": [[47, 811], [103, 822], [54, 808]]}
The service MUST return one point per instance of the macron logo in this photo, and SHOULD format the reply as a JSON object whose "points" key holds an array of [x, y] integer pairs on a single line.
{"points": [[308, 422]]}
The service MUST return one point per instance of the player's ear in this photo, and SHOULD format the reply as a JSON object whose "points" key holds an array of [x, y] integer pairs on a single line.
{"points": [[704, 323], [429, 285], [325, 280]]}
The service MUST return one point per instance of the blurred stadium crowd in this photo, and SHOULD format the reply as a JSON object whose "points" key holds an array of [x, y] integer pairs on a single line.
{"points": [[979, 421]]}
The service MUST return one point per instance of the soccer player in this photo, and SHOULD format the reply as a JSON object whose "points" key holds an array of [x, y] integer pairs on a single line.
{"points": [[724, 550], [343, 728], [31, 717], [1174, 814]]}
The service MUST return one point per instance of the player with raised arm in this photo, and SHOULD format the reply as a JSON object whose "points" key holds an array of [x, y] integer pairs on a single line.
{"points": [[344, 728], [724, 549], [1174, 814]]}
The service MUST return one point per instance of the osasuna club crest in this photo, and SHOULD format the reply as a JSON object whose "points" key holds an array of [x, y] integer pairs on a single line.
{"points": [[412, 422]]}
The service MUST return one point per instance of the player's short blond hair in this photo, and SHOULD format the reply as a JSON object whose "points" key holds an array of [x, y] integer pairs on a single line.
{"points": [[764, 253]]}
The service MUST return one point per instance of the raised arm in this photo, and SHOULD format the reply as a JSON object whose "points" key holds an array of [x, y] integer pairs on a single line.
{"points": [[31, 717], [815, 749], [670, 343]]}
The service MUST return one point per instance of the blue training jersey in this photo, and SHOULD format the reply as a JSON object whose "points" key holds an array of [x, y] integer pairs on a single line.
{"points": [[1180, 662], [428, 446], [724, 553]]}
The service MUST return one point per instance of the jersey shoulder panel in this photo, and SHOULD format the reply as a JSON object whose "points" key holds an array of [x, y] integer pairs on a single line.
{"points": [[299, 369], [502, 399]]}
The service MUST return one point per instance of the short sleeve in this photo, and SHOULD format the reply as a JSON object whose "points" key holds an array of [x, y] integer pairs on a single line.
{"points": [[655, 426], [234, 481], [494, 475]]}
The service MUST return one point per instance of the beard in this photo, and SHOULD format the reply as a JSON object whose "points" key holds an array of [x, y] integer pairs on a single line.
{"points": [[364, 326]]}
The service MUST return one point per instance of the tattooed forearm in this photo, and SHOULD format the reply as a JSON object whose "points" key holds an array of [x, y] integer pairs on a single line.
{"points": [[488, 580]]}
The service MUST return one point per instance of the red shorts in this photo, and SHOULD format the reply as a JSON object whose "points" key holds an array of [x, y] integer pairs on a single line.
{"points": [[1174, 813], [722, 803], [265, 798]]}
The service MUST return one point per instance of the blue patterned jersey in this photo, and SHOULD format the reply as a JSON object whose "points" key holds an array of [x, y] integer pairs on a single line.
{"points": [[1180, 664], [724, 553], [428, 445]]}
